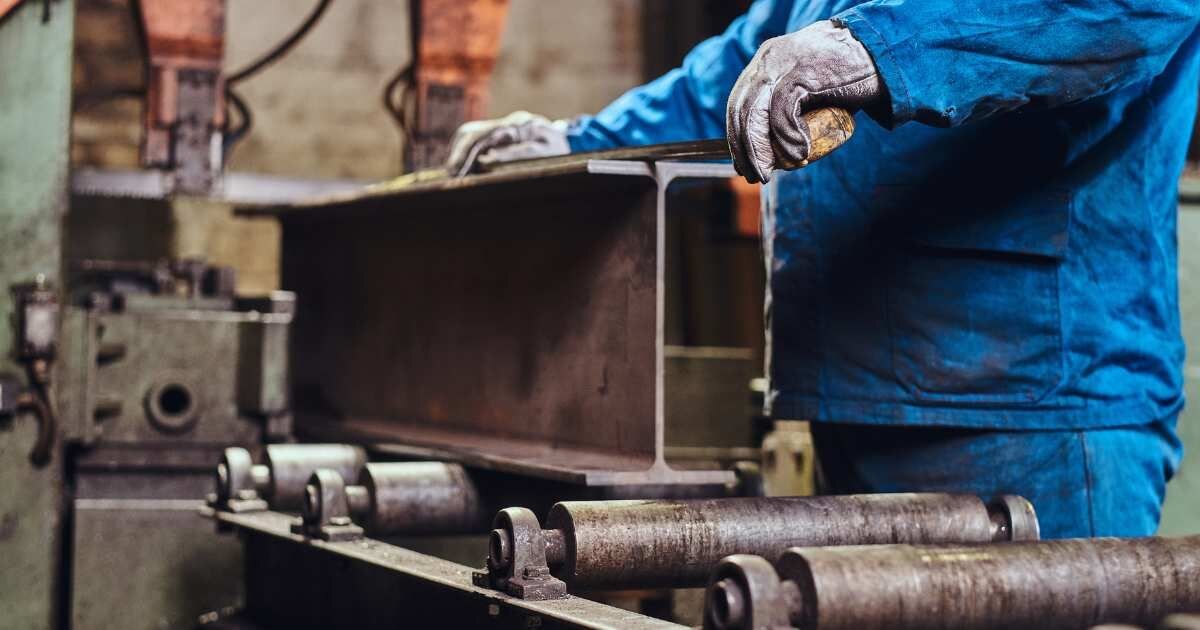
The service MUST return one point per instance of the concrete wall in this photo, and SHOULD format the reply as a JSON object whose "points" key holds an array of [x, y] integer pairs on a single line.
{"points": [[318, 111], [567, 57], [107, 59]]}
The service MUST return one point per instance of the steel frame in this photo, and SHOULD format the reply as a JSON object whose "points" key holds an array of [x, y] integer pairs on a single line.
{"points": [[293, 581]]}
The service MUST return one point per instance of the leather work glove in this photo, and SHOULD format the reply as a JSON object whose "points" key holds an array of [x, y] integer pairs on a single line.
{"points": [[517, 136], [821, 65]]}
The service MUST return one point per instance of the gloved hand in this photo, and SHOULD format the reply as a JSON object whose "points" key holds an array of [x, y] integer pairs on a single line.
{"points": [[517, 136], [821, 65]]}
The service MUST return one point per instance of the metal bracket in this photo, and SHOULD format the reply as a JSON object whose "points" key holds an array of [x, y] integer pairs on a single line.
{"points": [[517, 559], [326, 514], [1013, 519], [746, 592], [353, 582], [236, 490]]}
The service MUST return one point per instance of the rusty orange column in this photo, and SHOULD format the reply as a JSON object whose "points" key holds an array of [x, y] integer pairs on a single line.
{"points": [[457, 42], [185, 103]]}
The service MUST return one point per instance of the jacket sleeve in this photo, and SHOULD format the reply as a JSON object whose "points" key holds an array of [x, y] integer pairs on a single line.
{"points": [[947, 63], [688, 103]]}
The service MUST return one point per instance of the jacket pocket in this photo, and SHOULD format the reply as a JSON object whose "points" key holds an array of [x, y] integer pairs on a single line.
{"points": [[973, 307]]}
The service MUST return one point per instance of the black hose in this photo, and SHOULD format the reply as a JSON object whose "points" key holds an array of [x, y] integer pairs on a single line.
{"points": [[283, 47], [398, 106], [402, 108], [245, 122], [232, 137]]}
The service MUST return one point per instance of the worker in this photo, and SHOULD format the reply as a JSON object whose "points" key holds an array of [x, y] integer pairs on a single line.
{"points": [[977, 292]]}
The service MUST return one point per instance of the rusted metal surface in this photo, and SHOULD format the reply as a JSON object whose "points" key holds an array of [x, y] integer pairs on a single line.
{"points": [[294, 582], [1051, 584], [415, 498], [185, 31], [645, 544], [185, 42], [514, 319], [481, 329], [457, 42]]}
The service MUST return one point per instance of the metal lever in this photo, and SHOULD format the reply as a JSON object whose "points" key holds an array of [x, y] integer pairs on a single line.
{"points": [[37, 348]]}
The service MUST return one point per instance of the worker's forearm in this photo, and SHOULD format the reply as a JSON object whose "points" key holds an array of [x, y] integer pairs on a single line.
{"points": [[986, 57]]}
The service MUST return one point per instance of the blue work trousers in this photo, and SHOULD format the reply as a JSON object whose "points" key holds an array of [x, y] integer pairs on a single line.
{"points": [[1102, 482]]}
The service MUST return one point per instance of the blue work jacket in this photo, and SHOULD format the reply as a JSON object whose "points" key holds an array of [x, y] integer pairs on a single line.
{"points": [[998, 248]]}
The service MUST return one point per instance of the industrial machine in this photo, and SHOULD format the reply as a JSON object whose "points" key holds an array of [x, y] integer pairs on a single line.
{"points": [[463, 409], [151, 385], [528, 329]]}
